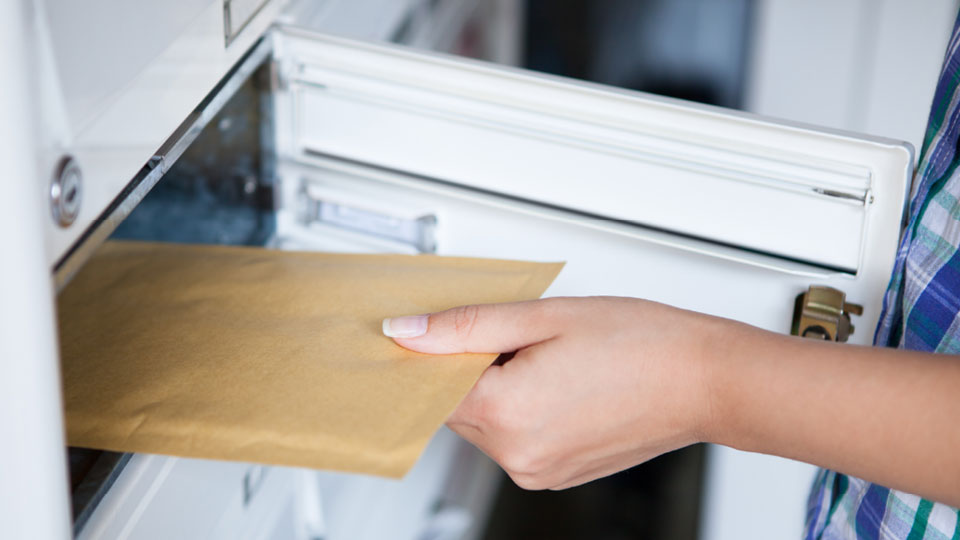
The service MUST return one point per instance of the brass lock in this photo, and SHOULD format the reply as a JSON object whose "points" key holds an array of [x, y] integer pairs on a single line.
{"points": [[823, 313]]}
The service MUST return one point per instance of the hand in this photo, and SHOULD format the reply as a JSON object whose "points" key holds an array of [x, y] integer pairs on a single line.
{"points": [[597, 385]]}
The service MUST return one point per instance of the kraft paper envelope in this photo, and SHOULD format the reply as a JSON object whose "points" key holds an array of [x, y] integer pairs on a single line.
{"points": [[276, 357]]}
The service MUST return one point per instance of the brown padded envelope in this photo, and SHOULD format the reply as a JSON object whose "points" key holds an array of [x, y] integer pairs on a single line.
{"points": [[267, 356]]}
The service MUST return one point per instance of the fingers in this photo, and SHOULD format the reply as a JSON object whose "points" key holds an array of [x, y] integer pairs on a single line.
{"points": [[492, 418], [471, 418], [485, 328]]}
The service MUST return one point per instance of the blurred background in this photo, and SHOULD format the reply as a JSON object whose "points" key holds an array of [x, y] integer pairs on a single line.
{"points": [[862, 65]]}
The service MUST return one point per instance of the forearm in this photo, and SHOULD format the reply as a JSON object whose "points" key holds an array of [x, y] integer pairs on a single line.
{"points": [[597, 385], [888, 416]]}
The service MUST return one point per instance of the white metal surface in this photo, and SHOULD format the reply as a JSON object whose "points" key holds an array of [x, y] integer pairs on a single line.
{"points": [[360, 507], [732, 178], [165, 497], [33, 477], [488, 29], [237, 13], [370, 20], [116, 123]]}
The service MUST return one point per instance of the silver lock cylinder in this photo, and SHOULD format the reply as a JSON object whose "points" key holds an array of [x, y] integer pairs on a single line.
{"points": [[66, 189]]}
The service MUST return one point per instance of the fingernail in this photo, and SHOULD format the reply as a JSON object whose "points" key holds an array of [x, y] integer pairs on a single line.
{"points": [[405, 327]]}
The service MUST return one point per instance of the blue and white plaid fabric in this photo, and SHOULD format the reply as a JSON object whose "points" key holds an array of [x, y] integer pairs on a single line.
{"points": [[920, 312]]}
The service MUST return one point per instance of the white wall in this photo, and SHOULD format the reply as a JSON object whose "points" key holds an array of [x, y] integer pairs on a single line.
{"points": [[864, 65]]}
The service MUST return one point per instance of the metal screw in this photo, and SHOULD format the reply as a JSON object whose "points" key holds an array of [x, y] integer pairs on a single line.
{"points": [[65, 191]]}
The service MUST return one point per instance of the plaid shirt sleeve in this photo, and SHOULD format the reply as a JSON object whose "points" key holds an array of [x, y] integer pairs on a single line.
{"points": [[920, 312]]}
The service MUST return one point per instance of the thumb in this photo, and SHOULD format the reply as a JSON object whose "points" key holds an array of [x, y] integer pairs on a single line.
{"points": [[484, 328]]}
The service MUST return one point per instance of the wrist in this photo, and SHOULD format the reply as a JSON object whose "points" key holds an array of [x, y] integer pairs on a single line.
{"points": [[723, 348]]}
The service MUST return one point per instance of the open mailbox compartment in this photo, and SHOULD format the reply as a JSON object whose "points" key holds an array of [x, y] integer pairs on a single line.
{"points": [[376, 148]]}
